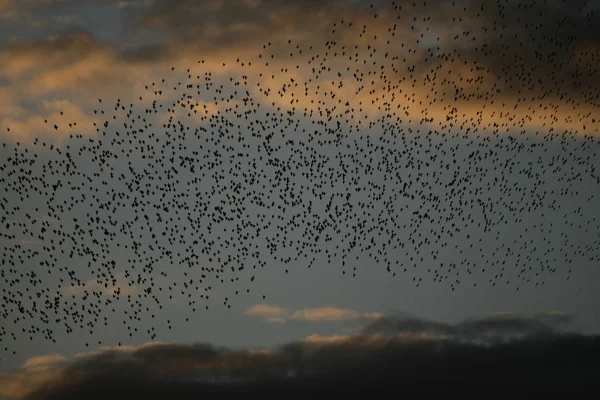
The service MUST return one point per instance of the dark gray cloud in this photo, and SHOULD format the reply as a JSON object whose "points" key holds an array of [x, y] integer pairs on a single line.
{"points": [[181, 14], [439, 361], [499, 327], [528, 56], [210, 27], [537, 49], [507, 57]]}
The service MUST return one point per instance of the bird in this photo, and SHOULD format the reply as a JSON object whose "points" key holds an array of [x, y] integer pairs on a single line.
{"points": [[379, 146]]}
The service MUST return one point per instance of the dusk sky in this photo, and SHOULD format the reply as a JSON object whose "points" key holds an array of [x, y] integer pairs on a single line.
{"points": [[201, 189]]}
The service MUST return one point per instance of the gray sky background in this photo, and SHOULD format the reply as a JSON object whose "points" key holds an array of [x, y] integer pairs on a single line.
{"points": [[64, 55]]}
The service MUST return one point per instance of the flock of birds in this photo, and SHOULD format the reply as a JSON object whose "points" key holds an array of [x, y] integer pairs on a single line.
{"points": [[330, 168]]}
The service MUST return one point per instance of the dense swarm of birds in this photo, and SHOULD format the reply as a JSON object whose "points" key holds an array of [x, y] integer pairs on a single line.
{"points": [[332, 166]]}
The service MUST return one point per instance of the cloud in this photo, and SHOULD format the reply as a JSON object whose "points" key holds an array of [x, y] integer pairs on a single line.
{"points": [[65, 73], [132, 3], [373, 315], [108, 289], [327, 339], [499, 327], [324, 314], [405, 359], [43, 362], [265, 310], [446, 80], [6, 9], [462, 64], [278, 314]]}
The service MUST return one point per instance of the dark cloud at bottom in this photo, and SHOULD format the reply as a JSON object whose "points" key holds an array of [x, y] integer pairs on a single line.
{"points": [[546, 385], [480, 358], [568, 364]]}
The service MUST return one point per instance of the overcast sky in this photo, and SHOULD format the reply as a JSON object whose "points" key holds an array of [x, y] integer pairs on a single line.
{"points": [[498, 100]]}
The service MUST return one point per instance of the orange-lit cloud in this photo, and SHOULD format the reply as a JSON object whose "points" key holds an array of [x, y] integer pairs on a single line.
{"points": [[278, 314], [324, 314], [266, 311], [5, 8], [106, 288], [430, 72]]}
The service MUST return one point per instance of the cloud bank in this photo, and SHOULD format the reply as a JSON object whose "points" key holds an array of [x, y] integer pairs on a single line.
{"points": [[406, 354], [477, 64]]}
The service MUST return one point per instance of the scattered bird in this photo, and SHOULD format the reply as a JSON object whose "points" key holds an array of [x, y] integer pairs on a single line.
{"points": [[333, 160]]}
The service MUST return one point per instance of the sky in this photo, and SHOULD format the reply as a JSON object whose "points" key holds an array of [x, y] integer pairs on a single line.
{"points": [[399, 180]]}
